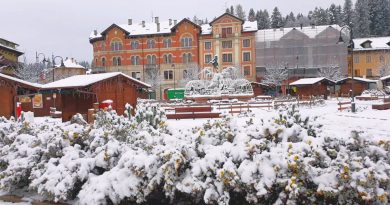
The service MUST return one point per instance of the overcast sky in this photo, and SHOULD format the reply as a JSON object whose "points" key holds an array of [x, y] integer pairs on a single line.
{"points": [[62, 27]]}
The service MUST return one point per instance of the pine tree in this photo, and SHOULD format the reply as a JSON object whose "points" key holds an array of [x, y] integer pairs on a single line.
{"points": [[379, 17], [240, 13], [251, 15], [231, 10], [362, 19], [263, 21], [347, 13], [227, 10], [334, 13], [276, 18]]}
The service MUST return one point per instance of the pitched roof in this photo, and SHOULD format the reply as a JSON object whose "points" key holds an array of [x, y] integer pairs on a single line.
{"points": [[309, 81], [20, 81], [227, 14], [71, 63], [11, 49], [185, 20], [248, 26], [358, 79], [86, 80], [385, 77], [377, 43], [277, 34]]}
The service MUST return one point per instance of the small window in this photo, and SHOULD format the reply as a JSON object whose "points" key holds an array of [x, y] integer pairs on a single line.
{"points": [[167, 58], [227, 57], [369, 72], [116, 46], [246, 56], [151, 59], [246, 43], [116, 61], [247, 70], [135, 60], [368, 59], [382, 59], [136, 75], [103, 62], [186, 42], [356, 59], [227, 44], [103, 46], [151, 43], [167, 43], [168, 75], [207, 45], [187, 58], [134, 45], [227, 32], [207, 58]]}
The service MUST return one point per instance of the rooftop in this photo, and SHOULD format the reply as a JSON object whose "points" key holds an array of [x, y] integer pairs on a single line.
{"points": [[71, 63], [377, 43], [308, 81], [35, 85]]}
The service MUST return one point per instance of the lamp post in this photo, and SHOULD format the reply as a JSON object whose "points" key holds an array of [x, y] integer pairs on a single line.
{"points": [[174, 76], [54, 63], [37, 57], [350, 50], [288, 83]]}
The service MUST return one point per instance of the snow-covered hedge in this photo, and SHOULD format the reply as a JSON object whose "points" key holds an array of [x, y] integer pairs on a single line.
{"points": [[120, 159]]}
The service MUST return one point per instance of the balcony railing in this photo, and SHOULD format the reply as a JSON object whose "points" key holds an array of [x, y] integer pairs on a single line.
{"points": [[227, 35]]}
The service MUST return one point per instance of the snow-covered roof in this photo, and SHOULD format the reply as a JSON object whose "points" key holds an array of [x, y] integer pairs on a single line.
{"points": [[385, 77], [359, 79], [277, 34], [35, 85], [308, 81], [85, 80], [246, 27], [376, 43], [71, 63]]}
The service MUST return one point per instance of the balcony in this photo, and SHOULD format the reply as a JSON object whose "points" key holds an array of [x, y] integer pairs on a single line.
{"points": [[227, 35], [99, 70]]}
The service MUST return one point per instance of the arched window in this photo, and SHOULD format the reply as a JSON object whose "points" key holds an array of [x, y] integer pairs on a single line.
{"points": [[103, 46], [187, 58], [151, 59], [103, 62], [116, 45], [116, 61], [186, 42], [135, 60], [167, 43], [167, 58], [134, 45], [151, 43]]}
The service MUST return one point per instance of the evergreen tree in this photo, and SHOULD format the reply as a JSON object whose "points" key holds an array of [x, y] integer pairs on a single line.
{"points": [[362, 19], [231, 10], [251, 15], [379, 17], [263, 21], [334, 13], [347, 13], [227, 10], [240, 13], [276, 18]]}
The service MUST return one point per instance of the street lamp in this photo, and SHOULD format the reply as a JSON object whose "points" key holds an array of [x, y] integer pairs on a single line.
{"points": [[350, 49], [37, 57], [54, 63]]}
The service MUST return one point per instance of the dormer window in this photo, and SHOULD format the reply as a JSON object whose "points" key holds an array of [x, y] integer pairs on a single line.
{"points": [[366, 44], [388, 43]]}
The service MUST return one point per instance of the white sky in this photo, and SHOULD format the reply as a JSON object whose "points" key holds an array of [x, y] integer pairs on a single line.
{"points": [[62, 27]]}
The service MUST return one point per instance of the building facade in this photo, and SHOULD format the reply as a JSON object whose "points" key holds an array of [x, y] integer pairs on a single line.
{"points": [[371, 57], [303, 51], [159, 53], [70, 68], [9, 55], [233, 41]]}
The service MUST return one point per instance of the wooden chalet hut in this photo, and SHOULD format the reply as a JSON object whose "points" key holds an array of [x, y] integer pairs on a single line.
{"points": [[13, 90], [260, 88], [344, 86], [312, 86], [79, 93], [385, 80]]}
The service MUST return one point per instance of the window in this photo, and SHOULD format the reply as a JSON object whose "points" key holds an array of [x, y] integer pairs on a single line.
{"points": [[151, 59], [167, 43], [227, 32], [356, 59], [246, 56], [247, 70], [227, 57], [134, 45], [186, 42], [167, 58], [103, 62], [187, 58], [246, 43], [207, 45], [227, 44], [116, 46], [168, 75], [368, 59], [135, 60], [381, 59], [369, 72], [136, 75], [103, 46], [207, 58], [151, 43], [116, 61]]}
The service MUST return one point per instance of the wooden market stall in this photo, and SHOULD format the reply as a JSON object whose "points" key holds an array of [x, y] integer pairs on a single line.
{"points": [[344, 86], [312, 86]]}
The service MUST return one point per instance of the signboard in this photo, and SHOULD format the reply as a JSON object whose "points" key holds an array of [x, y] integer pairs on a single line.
{"points": [[38, 101], [24, 99]]}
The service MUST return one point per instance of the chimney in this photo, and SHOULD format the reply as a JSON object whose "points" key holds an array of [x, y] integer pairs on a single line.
{"points": [[72, 59], [301, 26], [156, 19], [95, 32], [130, 21], [174, 22], [170, 22], [143, 23], [158, 27]]}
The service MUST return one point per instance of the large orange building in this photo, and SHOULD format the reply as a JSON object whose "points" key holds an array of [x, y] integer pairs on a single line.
{"points": [[151, 52], [233, 41]]}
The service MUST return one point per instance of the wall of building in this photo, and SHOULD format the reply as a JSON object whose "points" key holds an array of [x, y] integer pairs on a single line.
{"points": [[7, 93], [368, 63]]}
